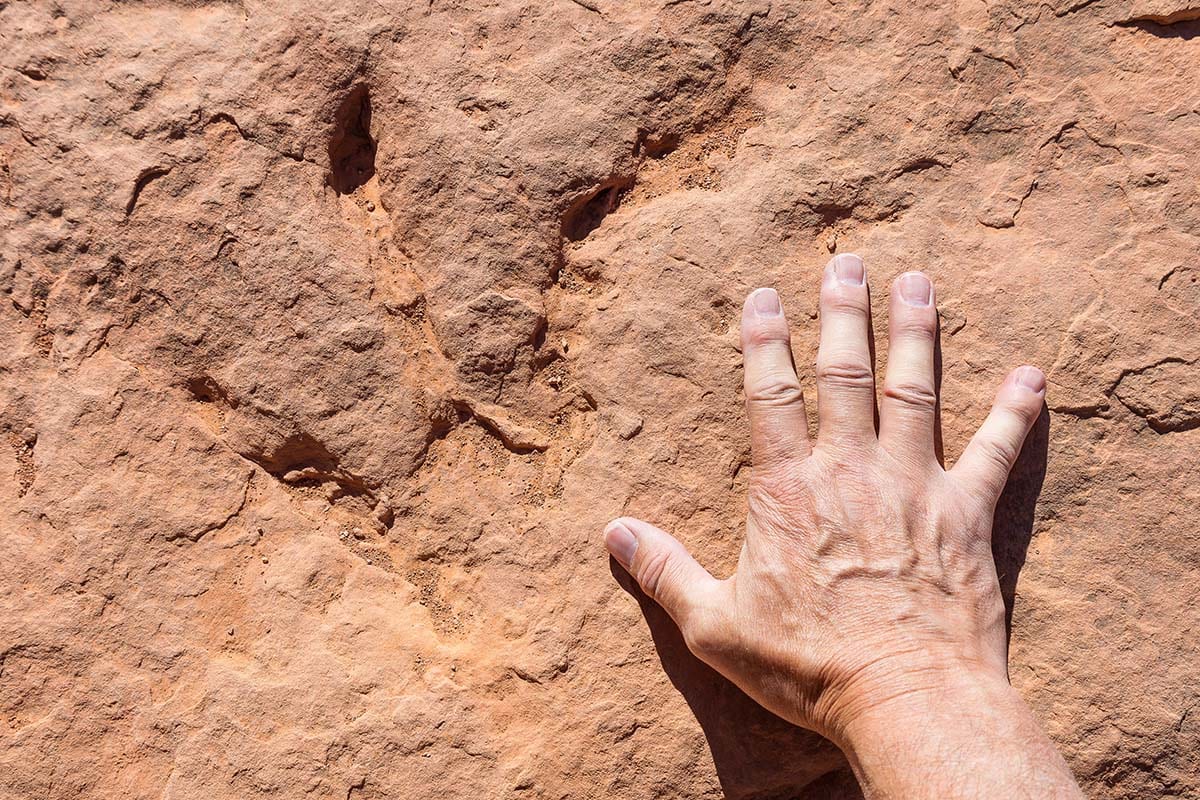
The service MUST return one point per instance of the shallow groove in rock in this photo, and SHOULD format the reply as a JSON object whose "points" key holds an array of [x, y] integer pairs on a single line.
{"points": [[144, 179]]}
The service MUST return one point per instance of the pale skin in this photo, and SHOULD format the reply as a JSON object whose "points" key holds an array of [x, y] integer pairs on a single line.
{"points": [[865, 605]]}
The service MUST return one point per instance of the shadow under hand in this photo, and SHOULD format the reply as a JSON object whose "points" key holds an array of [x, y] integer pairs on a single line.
{"points": [[757, 755], [1012, 526]]}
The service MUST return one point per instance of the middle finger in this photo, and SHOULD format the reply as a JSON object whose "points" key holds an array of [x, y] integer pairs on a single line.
{"points": [[845, 380]]}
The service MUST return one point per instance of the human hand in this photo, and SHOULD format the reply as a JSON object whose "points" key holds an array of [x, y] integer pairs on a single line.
{"points": [[865, 594]]}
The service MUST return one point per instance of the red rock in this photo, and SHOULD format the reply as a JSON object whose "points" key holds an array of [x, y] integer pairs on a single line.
{"points": [[346, 327]]}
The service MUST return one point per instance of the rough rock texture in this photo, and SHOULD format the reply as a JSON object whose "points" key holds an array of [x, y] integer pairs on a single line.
{"points": [[334, 332]]}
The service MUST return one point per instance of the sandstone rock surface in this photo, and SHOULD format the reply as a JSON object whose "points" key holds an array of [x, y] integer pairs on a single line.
{"points": [[333, 333]]}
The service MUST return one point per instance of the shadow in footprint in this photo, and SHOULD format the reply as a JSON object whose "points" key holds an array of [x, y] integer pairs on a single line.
{"points": [[351, 147]]}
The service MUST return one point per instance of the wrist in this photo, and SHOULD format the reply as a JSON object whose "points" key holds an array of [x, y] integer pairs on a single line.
{"points": [[969, 730], [905, 711], [898, 688]]}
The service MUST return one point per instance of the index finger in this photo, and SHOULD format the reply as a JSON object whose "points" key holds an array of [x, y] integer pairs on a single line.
{"points": [[774, 399]]}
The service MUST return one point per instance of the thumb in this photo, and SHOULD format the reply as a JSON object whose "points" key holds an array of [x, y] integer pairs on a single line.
{"points": [[661, 566]]}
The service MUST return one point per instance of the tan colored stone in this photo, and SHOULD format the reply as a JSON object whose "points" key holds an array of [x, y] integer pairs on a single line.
{"points": [[345, 327]]}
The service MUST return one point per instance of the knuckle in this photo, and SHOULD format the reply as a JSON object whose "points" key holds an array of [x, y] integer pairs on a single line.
{"points": [[917, 396], [774, 392], [763, 332], [1026, 412], [1001, 453], [914, 326], [846, 372], [651, 570], [838, 302]]}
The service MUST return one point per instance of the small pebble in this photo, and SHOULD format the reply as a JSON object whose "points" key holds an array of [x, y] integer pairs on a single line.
{"points": [[627, 425]]}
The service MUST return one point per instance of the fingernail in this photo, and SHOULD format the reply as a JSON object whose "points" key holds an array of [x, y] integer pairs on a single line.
{"points": [[621, 542], [849, 269], [915, 289], [1032, 379], [766, 303]]}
